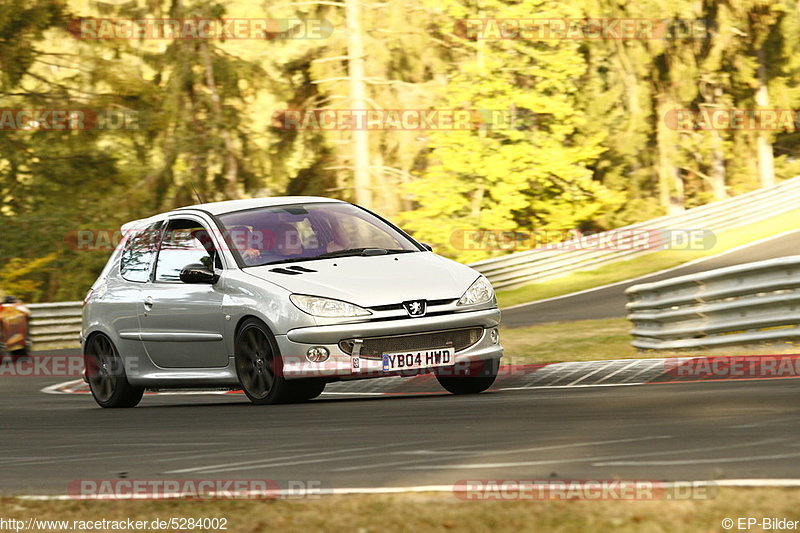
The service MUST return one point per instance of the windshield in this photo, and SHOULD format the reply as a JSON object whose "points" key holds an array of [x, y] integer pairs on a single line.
{"points": [[302, 232]]}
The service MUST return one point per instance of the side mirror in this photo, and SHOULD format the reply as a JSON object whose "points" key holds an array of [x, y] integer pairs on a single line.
{"points": [[427, 246], [198, 273]]}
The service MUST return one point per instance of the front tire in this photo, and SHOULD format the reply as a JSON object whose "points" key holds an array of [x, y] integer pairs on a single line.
{"points": [[474, 379], [105, 373], [258, 364]]}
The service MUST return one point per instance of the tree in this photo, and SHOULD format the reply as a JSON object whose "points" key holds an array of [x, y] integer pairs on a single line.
{"points": [[532, 174]]}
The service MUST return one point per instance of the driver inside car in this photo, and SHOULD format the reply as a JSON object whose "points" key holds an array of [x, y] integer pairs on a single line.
{"points": [[283, 240]]}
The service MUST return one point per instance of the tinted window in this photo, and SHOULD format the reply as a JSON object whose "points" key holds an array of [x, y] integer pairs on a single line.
{"points": [[137, 256], [308, 231], [184, 242]]}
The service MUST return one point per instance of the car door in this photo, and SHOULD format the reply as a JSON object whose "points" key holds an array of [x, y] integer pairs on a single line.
{"points": [[116, 304], [182, 324]]}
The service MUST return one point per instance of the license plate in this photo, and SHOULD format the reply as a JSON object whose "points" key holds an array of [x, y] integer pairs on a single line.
{"points": [[416, 359]]}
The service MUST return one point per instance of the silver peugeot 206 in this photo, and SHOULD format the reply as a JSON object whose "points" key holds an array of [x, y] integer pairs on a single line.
{"points": [[278, 297]]}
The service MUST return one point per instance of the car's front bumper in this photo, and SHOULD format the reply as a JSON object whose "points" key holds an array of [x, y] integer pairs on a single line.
{"points": [[340, 365]]}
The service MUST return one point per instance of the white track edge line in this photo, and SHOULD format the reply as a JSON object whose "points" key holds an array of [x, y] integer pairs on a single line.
{"points": [[747, 483]]}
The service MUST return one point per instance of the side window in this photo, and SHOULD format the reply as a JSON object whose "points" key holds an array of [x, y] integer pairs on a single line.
{"points": [[137, 255], [184, 242]]}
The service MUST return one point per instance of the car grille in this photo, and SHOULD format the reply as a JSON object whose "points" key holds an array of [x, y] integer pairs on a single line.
{"points": [[375, 347], [395, 307]]}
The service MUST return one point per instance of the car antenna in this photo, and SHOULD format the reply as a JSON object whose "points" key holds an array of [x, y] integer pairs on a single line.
{"points": [[199, 198]]}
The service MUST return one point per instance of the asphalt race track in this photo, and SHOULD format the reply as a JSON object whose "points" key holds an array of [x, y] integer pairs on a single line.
{"points": [[684, 431], [655, 431], [610, 302]]}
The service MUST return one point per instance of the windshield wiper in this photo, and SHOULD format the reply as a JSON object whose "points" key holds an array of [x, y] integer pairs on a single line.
{"points": [[350, 252], [287, 260], [363, 251], [401, 251], [338, 253]]}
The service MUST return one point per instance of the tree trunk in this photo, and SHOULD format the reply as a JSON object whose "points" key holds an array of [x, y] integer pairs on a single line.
{"points": [[766, 165], [717, 176], [717, 173], [670, 184], [360, 136], [231, 163]]}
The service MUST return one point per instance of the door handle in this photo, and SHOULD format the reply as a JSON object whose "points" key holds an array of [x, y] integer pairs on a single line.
{"points": [[148, 303]]}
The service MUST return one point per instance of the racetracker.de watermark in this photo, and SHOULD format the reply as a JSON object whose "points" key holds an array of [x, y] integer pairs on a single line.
{"points": [[730, 119], [394, 119], [375, 366], [42, 366], [622, 239], [193, 489], [67, 119], [66, 365], [572, 489], [581, 29], [197, 240], [260, 29], [734, 366]]}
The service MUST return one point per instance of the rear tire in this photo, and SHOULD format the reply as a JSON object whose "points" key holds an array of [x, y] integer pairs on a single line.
{"points": [[475, 378], [105, 373]]}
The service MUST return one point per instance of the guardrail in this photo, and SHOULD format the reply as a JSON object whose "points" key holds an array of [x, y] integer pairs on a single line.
{"points": [[742, 305], [522, 268], [55, 324]]}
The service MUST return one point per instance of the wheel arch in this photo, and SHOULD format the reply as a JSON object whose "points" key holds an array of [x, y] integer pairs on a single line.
{"points": [[270, 334], [96, 333]]}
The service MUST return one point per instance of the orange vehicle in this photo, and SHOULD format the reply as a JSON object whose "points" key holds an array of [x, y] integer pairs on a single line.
{"points": [[15, 335]]}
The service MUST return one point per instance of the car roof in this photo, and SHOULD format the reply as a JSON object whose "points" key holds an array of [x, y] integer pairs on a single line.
{"points": [[228, 206]]}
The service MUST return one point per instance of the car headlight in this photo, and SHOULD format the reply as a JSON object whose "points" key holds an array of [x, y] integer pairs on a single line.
{"points": [[326, 307], [479, 292]]}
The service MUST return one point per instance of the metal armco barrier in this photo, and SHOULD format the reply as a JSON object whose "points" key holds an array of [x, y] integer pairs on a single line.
{"points": [[522, 268], [742, 305], [55, 324]]}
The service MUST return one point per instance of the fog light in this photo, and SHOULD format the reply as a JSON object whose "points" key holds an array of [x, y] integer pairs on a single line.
{"points": [[317, 354], [494, 335]]}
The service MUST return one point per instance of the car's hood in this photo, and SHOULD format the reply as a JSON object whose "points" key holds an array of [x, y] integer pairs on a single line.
{"points": [[375, 280]]}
